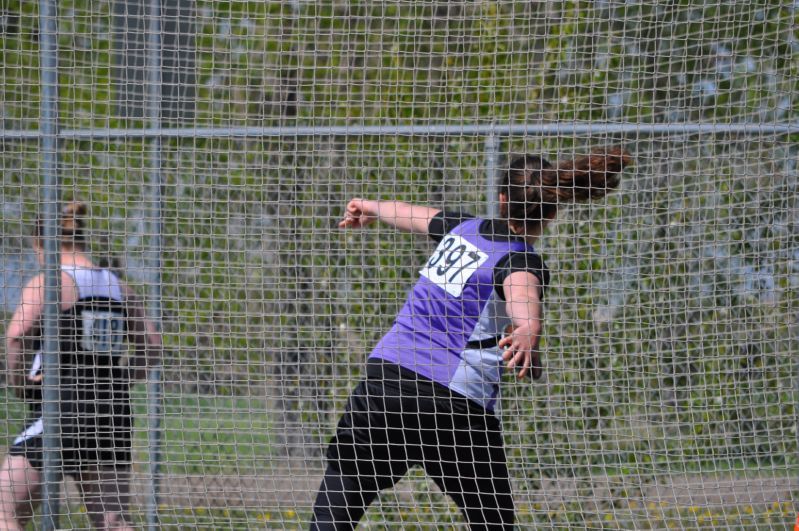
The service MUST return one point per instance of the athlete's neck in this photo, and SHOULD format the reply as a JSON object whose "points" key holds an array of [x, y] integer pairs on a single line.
{"points": [[76, 259], [529, 233]]}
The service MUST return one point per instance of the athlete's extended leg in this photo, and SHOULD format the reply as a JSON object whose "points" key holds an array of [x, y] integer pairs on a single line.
{"points": [[369, 447], [342, 500], [482, 491], [468, 463], [106, 494], [20, 491]]}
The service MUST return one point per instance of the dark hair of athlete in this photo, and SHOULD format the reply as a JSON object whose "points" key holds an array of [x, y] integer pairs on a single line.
{"points": [[73, 226], [535, 189]]}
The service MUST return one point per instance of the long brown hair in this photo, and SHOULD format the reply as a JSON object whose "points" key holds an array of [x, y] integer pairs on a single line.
{"points": [[535, 189], [72, 225]]}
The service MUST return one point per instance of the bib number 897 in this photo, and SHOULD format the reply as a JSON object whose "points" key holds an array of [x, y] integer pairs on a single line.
{"points": [[454, 261]]}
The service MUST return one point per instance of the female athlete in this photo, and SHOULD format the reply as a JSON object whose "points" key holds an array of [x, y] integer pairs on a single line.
{"points": [[99, 317], [429, 398]]}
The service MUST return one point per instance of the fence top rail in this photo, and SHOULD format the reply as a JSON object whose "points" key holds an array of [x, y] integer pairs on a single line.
{"points": [[508, 129]]}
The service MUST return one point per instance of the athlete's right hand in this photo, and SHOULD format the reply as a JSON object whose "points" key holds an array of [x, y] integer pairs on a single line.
{"points": [[520, 352], [357, 215]]}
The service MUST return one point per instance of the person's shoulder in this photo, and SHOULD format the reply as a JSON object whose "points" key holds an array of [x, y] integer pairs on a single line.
{"points": [[33, 291], [445, 221], [36, 281], [454, 217], [529, 257], [498, 230], [528, 261]]}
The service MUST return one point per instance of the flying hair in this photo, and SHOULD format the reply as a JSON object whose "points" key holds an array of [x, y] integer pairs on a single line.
{"points": [[535, 189]]}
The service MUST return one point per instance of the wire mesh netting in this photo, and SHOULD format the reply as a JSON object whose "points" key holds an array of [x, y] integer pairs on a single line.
{"points": [[670, 320]]}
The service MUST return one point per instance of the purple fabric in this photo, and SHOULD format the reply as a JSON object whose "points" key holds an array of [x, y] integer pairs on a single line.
{"points": [[433, 327]]}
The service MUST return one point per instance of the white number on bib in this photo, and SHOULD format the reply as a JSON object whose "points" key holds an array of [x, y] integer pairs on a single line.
{"points": [[453, 262], [103, 332]]}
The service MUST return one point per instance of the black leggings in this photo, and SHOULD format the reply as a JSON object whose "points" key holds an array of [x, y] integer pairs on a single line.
{"points": [[383, 433]]}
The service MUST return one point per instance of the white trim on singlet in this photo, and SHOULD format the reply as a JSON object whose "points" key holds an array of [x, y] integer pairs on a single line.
{"points": [[93, 282], [36, 366], [479, 372], [34, 430]]}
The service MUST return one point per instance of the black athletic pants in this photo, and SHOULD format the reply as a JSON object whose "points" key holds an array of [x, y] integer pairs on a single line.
{"points": [[385, 430]]}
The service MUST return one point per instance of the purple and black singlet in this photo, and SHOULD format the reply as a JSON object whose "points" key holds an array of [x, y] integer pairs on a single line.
{"points": [[455, 304], [432, 385]]}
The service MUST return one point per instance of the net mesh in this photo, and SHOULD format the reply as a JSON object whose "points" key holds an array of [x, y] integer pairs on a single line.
{"points": [[671, 319]]}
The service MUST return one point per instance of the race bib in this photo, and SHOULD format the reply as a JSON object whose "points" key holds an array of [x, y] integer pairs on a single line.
{"points": [[103, 332], [452, 264]]}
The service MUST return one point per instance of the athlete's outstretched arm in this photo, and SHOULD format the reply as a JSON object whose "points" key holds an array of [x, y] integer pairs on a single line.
{"points": [[25, 319], [403, 216], [523, 304]]}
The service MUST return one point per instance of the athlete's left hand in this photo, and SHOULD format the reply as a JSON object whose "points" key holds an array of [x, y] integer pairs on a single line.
{"points": [[521, 352]]}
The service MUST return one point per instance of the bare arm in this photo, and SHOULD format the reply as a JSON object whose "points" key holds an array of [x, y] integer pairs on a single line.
{"points": [[403, 216], [26, 318], [523, 304], [143, 334]]}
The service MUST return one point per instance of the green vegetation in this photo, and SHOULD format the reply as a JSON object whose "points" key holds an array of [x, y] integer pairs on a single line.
{"points": [[201, 432], [671, 321]]}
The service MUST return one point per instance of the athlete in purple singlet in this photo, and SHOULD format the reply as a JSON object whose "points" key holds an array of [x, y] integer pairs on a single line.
{"points": [[430, 395]]}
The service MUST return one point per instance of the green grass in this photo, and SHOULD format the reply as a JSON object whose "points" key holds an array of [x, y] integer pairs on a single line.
{"points": [[229, 435], [210, 519], [207, 435], [201, 434]]}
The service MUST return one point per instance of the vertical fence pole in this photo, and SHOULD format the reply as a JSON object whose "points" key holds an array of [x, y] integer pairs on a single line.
{"points": [[50, 212], [154, 224], [491, 151]]}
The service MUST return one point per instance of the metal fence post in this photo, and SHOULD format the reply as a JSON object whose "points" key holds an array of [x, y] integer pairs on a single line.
{"points": [[153, 263], [491, 151], [50, 212]]}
